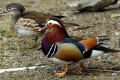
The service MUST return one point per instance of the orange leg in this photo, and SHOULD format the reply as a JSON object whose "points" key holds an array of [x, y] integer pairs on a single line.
{"points": [[63, 73], [79, 69]]}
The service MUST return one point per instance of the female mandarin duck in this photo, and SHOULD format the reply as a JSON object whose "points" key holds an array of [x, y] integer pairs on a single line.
{"points": [[59, 47], [27, 23]]}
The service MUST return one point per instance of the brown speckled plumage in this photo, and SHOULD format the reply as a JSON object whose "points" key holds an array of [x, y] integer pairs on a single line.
{"points": [[26, 23]]}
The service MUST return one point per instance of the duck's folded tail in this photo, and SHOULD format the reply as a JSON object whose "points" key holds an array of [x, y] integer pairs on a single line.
{"points": [[59, 16], [103, 40], [69, 24], [65, 23], [104, 49], [99, 50]]}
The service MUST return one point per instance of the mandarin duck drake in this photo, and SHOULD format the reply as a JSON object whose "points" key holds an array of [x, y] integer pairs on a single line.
{"points": [[60, 48], [27, 23]]}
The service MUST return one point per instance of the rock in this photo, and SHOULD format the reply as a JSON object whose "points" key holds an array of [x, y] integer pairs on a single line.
{"points": [[42, 66], [5, 54], [115, 15], [2, 31], [90, 5], [1, 38], [64, 2], [41, 10], [37, 64], [48, 68], [114, 74], [109, 55], [10, 48]]}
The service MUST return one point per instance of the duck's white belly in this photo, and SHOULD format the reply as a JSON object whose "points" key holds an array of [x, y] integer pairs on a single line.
{"points": [[60, 61], [27, 33]]}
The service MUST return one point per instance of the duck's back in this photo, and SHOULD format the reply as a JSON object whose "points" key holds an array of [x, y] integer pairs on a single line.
{"points": [[37, 17]]}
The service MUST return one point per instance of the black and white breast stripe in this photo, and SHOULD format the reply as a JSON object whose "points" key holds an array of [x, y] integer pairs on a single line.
{"points": [[52, 51]]}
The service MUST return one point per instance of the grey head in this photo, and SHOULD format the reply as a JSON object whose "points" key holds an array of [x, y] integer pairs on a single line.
{"points": [[13, 9]]}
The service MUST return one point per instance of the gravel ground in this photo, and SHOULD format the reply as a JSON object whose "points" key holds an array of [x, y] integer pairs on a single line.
{"points": [[14, 52]]}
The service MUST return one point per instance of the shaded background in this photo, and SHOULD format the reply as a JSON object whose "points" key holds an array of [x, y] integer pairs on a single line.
{"points": [[14, 52]]}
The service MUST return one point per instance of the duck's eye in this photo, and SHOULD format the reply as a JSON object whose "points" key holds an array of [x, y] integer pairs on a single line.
{"points": [[9, 8], [50, 23]]}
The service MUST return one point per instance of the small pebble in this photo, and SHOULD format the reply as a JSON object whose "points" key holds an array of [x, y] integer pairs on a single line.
{"points": [[54, 71], [1, 39], [65, 2], [42, 66], [2, 31], [99, 57], [9, 36], [108, 55], [5, 54], [60, 77], [37, 64], [29, 63], [48, 68], [114, 74], [116, 33], [41, 10], [10, 48]]}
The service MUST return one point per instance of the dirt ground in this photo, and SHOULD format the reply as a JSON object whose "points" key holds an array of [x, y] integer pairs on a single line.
{"points": [[14, 52]]}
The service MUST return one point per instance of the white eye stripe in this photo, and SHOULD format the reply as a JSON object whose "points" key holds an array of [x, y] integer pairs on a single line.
{"points": [[54, 22], [5, 10], [13, 8], [9, 8]]}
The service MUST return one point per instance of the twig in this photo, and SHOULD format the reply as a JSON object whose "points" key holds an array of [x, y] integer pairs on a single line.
{"points": [[16, 69], [101, 70], [80, 28]]}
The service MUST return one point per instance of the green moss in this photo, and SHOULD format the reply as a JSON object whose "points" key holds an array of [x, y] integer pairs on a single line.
{"points": [[1, 52]]}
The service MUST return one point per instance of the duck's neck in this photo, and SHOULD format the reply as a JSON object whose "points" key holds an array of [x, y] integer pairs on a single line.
{"points": [[55, 35], [13, 20]]}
